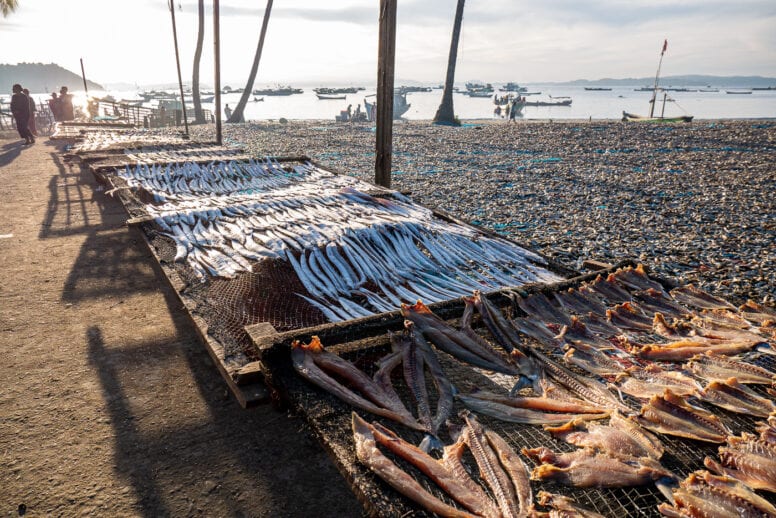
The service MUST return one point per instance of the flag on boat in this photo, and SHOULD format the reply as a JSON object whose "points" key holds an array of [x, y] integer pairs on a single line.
{"points": [[665, 46]]}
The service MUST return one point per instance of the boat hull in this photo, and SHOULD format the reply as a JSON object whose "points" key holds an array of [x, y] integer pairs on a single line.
{"points": [[630, 117]]}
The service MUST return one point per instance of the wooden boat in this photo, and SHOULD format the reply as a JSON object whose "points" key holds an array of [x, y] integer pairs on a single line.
{"points": [[337, 91], [559, 102], [513, 87], [400, 106], [652, 118], [597, 89], [258, 99], [331, 96], [638, 118], [738, 92], [477, 93], [281, 90]]}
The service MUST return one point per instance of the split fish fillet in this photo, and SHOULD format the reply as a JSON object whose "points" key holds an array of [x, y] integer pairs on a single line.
{"points": [[672, 415], [732, 395]]}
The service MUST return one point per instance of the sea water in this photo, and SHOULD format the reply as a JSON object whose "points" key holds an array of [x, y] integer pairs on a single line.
{"points": [[586, 104]]}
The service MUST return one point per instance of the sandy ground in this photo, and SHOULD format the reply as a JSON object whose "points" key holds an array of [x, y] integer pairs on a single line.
{"points": [[109, 404]]}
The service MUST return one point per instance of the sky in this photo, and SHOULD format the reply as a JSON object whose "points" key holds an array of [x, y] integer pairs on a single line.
{"points": [[335, 42]]}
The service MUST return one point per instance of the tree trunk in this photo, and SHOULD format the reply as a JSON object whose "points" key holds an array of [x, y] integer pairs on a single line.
{"points": [[199, 117], [237, 114], [445, 114]]}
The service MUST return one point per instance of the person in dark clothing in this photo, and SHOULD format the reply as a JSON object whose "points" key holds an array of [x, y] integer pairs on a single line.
{"points": [[20, 108], [66, 105], [55, 107], [33, 109]]}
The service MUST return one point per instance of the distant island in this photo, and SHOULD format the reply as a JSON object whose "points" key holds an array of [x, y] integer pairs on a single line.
{"points": [[685, 80], [41, 78]]}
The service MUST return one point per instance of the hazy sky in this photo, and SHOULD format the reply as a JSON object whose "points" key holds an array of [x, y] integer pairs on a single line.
{"points": [[315, 42]]}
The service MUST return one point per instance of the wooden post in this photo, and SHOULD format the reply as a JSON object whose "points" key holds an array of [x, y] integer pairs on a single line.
{"points": [[217, 59], [178, 65], [83, 75], [385, 68]]}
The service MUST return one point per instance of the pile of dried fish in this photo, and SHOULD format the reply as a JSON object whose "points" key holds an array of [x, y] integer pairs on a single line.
{"points": [[687, 200], [96, 140], [355, 254], [748, 459], [501, 469]]}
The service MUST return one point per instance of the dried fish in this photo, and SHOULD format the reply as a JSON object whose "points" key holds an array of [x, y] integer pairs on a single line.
{"points": [[524, 415], [365, 437], [694, 297], [672, 415], [313, 362], [565, 507], [767, 430], [516, 469], [622, 436], [629, 315], [733, 396], [704, 495], [490, 467], [580, 301], [758, 313], [652, 380], [687, 348], [610, 290], [539, 307], [590, 469], [450, 340], [636, 279], [748, 459], [656, 301]]}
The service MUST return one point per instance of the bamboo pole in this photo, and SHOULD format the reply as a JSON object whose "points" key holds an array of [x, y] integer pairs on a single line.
{"points": [[178, 65], [217, 60], [83, 76], [385, 70]]}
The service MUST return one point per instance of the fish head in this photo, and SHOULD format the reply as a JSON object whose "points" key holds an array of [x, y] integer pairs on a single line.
{"points": [[314, 346], [418, 307]]}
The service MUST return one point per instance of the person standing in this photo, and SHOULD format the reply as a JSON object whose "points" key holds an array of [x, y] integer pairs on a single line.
{"points": [[513, 109], [54, 106], [66, 105], [33, 109], [227, 112], [20, 108]]}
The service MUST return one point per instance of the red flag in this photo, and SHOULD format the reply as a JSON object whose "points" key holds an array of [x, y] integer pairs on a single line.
{"points": [[665, 46]]}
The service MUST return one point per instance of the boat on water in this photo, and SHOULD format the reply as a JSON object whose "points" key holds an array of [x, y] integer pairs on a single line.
{"points": [[337, 91], [476, 93], [258, 99], [552, 102], [513, 87], [738, 92], [597, 89], [280, 90], [626, 116], [400, 105], [327, 97]]}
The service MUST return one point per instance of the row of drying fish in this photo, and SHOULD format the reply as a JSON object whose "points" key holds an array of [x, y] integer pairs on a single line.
{"points": [[502, 470], [96, 140], [176, 182], [178, 153]]}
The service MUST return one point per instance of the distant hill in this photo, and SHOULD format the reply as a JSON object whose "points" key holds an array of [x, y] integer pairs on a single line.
{"points": [[40, 78], [686, 80]]}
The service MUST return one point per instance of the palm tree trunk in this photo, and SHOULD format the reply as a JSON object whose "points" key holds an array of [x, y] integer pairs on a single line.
{"points": [[445, 114], [199, 117], [237, 114]]}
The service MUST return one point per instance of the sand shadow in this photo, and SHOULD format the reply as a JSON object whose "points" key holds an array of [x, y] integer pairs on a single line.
{"points": [[10, 152]]}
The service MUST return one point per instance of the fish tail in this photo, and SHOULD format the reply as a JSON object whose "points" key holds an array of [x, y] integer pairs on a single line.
{"points": [[430, 443]]}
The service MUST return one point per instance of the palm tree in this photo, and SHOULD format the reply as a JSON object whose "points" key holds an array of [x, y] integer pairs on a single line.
{"points": [[8, 6], [199, 117], [445, 113], [237, 114]]}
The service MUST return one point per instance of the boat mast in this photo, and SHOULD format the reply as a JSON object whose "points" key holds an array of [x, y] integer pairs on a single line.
{"points": [[657, 76]]}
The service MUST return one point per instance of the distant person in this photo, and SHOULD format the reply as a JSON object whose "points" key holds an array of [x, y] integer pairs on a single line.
{"points": [[33, 109], [350, 112], [66, 105], [497, 112], [357, 114], [228, 111], [513, 109], [20, 108], [55, 106]]}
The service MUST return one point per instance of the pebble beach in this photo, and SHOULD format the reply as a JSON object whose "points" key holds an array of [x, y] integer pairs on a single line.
{"points": [[695, 202]]}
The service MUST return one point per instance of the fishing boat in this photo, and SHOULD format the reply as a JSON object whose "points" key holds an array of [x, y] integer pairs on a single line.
{"points": [[513, 87], [280, 90], [738, 92], [554, 102], [258, 99], [400, 106], [652, 118], [597, 89], [477, 93], [337, 91]]}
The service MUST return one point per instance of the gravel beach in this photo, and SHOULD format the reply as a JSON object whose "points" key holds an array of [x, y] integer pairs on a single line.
{"points": [[695, 201]]}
